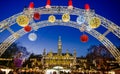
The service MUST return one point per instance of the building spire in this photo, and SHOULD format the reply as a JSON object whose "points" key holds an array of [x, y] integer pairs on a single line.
{"points": [[59, 46], [59, 38], [44, 52], [74, 53], [67, 52]]}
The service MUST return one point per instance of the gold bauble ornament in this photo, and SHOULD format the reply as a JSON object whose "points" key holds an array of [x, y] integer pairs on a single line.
{"points": [[94, 22], [52, 18], [22, 20], [66, 17]]}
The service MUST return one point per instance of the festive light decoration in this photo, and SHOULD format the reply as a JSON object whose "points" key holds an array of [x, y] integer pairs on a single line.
{"points": [[66, 17], [22, 20], [60, 9], [36, 16], [31, 5], [32, 36], [27, 28], [84, 38], [48, 4], [94, 22], [87, 7], [52, 18], [70, 5], [80, 19]]}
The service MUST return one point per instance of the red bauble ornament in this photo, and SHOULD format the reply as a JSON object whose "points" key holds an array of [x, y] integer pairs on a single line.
{"points": [[27, 28], [36, 16], [31, 5], [87, 7], [84, 38]]}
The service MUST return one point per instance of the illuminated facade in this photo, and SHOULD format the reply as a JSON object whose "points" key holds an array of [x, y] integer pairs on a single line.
{"points": [[66, 60]]}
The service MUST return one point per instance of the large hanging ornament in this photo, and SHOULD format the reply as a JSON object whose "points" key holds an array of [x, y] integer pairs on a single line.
{"points": [[36, 16], [84, 38], [80, 19], [22, 20], [32, 36], [52, 18], [94, 22], [27, 28], [66, 17]]}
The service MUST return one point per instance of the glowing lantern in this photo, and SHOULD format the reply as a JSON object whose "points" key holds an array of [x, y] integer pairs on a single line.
{"points": [[27, 28], [70, 5], [22, 20], [36, 16], [80, 19], [48, 4], [94, 22], [84, 38], [32, 36], [66, 17], [87, 7], [31, 5], [52, 18]]}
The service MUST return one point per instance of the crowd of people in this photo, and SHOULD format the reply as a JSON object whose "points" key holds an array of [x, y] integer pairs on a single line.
{"points": [[22, 71]]}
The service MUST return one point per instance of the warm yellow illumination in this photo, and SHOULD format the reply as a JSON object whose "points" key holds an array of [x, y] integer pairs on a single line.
{"points": [[52, 18], [94, 22], [22, 20], [66, 17]]}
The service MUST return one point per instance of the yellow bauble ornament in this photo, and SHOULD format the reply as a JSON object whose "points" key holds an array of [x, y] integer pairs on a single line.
{"points": [[66, 17], [22, 20], [94, 22], [52, 18]]}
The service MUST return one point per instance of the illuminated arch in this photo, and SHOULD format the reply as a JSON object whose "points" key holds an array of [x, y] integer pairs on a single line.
{"points": [[110, 26]]}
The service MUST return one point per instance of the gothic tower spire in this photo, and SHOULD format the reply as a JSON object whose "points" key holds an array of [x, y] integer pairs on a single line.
{"points": [[59, 46]]}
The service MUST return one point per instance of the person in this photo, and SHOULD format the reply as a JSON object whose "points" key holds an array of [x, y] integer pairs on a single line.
{"points": [[54, 72], [10, 72], [1, 71], [18, 60]]}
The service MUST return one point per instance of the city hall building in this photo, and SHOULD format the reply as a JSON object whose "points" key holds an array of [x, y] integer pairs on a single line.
{"points": [[51, 59]]}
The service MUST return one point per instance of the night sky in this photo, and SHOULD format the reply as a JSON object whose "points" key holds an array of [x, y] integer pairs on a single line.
{"points": [[48, 36]]}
